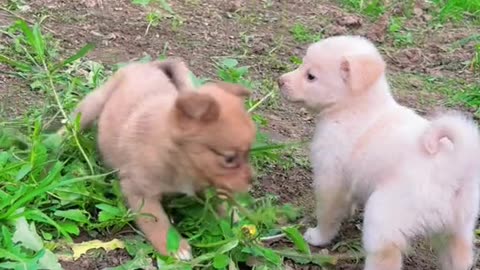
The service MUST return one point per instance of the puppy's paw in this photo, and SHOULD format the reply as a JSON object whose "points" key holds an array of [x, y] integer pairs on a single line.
{"points": [[315, 238], [184, 252]]}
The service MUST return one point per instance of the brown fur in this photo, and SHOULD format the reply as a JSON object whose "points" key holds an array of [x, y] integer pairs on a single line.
{"points": [[166, 137]]}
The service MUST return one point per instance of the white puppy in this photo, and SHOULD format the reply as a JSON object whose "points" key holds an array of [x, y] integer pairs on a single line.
{"points": [[416, 177]]}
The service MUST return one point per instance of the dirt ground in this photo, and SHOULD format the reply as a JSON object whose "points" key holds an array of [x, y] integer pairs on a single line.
{"points": [[257, 34]]}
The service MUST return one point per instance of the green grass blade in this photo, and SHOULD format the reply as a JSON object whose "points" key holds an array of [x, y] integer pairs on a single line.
{"points": [[80, 54], [15, 64], [34, 38], [39, 42]]}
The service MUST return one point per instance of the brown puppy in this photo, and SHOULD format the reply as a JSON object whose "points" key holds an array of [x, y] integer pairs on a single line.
{"points": [[164, 137]]}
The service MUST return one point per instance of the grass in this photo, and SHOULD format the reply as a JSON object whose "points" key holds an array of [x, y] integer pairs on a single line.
{"points": [[158, 10], [445, 10], [370, 8], [302, 34], [438, 92], [401, 36], [458, 10], [53, 189]]}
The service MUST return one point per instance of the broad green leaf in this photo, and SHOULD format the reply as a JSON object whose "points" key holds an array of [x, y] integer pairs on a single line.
{"points": [[73, 214], [220, 261], [23, 171], [173, 240], [271, 256], [104, 216], [26, 235], [226, 229], [229, 246], [70, 228], [113, 210], [296, 237], [268, 254], [82, 248], [49, 261], [39, 216]]}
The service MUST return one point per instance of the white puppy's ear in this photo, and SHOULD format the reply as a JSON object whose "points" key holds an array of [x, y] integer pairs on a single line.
{"points": [[360, 72]]}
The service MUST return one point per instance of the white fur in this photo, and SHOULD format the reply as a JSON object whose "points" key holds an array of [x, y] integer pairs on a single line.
{"points": [[415, 177]]}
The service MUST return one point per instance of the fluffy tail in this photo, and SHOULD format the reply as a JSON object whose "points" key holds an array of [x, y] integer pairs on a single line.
{"points": [[458, 137], [177, 72], [92, 105]]}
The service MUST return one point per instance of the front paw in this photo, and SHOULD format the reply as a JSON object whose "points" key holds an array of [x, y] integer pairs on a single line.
{"points": [[315, 238], [184, 252]]}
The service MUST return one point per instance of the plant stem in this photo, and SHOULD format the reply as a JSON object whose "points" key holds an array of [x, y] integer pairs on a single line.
{"points": [[65, 116]]}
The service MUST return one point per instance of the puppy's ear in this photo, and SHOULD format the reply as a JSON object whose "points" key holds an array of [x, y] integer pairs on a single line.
{"points": [[360, 72], [194, 108], [235, 89]]}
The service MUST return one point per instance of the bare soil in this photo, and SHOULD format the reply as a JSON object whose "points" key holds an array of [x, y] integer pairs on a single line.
{"points": [[257, 34]]}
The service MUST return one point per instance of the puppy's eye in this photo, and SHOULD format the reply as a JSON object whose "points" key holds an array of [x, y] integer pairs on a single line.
{"points": [[230, 161], [310, 77]]}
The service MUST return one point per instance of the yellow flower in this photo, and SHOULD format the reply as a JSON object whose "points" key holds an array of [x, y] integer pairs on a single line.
{"points": [[249, 231]]}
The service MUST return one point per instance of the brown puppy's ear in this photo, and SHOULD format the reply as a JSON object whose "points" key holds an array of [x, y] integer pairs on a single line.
{"points": [[360, 72], [192, 107], [235, 89]]}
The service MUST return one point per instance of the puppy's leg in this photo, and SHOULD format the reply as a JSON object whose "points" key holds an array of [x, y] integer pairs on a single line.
{"points": [[458, 253], [385, 230], [154, 224], [389, 257], [333, 205]]}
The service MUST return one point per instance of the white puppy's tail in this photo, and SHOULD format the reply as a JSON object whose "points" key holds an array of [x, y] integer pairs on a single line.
{"points": [[456, 132]]}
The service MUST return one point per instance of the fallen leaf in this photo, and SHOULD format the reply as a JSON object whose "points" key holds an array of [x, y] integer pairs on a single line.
{"points": [[82, 248]]}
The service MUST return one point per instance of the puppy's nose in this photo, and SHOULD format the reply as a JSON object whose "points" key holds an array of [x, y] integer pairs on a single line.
{"points": [[281, 81]]}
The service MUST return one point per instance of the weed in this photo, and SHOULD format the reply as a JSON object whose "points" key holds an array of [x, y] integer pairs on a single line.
{"points": [[296, 60], [302, 34], [475, 63], [15, 5], [401, 37], [469, 97], [371, 8], [457, 10], [159, 10]]}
